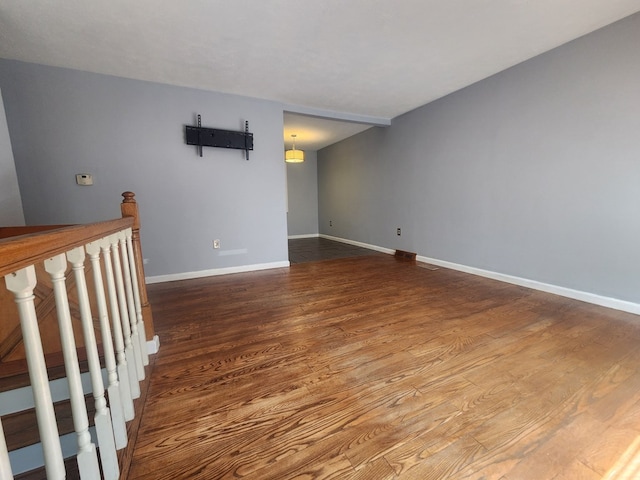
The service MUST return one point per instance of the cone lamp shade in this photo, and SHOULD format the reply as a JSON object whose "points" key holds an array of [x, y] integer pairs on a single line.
{"points": [[293, 155]]}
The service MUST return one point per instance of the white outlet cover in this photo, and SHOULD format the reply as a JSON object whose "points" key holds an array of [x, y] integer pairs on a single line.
{"points": [[84, 179]]}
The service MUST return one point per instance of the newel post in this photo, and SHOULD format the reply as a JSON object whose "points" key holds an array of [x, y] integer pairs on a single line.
{"points": [[129, 208]]}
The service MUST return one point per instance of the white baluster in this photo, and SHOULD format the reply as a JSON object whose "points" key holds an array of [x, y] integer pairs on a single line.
{"points": [[87, 457], [123, 368], [135, 337], [104, 428], [124, 317], [5, 465], [115, 397], [136, 297], [21, 284]]}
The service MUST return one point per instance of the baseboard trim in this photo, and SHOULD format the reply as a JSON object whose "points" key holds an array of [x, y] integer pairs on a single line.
{"points": [[308, 235], [593, 298], [214, 272], [608, 302], [153, 345], [358, 244]]}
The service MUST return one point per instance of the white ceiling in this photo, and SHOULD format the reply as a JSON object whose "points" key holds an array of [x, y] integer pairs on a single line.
{"points": [[313, 133], [377, 58]]}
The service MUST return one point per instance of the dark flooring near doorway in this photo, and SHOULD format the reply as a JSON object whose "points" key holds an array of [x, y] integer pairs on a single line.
{"points": [[302, 250]]}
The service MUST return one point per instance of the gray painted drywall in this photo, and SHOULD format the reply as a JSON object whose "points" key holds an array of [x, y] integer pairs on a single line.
{"points": [[534, 172], [302, 188], [11, 213], [129, 135]]}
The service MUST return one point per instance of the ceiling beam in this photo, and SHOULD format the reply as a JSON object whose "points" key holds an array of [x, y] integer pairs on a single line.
{"points": [[335, 115]]}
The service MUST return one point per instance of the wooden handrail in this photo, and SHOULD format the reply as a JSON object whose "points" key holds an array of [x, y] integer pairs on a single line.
{"points": [[8, 232], [35, 262], [19, 252]]}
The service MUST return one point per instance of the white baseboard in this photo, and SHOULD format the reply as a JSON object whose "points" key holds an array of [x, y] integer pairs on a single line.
{"points": [[308, 235], [359, 244], [214, 272], [153, 345], [593, 298]]}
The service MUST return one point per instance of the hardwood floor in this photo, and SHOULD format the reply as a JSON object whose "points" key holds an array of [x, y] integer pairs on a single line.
{"points": [[315, 249], [370, 368]]}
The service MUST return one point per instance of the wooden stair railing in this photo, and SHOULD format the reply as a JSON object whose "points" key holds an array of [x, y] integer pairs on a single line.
{"points": [[103, 309], [129, 208]]}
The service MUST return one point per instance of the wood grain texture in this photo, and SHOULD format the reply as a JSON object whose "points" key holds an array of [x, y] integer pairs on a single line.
{"points": [[19, 252], [8, 232], [369, 368], [314, 249]]}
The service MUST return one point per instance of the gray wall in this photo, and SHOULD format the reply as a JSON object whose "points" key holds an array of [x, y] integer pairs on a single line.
{"points": [[534, 172], [302, 188], [130, 135], [11, 213]]}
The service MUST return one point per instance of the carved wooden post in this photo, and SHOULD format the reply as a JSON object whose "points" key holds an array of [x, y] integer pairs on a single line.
{"points": [[129, 208]]}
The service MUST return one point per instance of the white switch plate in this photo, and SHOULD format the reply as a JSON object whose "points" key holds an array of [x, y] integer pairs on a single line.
{"points": [[84, 179]]}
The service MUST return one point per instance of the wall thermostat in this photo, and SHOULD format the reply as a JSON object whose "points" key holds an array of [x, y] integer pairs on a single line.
{"points": [[84, 179]]}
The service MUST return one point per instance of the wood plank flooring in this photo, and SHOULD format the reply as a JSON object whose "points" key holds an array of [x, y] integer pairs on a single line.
{"points": [[370, 368], [314, 249]]}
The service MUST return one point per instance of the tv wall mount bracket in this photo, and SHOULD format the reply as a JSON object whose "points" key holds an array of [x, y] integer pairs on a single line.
{"points": [[213, 137]]}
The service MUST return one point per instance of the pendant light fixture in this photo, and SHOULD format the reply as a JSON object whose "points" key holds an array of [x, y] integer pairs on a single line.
{"points": [[293, 155]]}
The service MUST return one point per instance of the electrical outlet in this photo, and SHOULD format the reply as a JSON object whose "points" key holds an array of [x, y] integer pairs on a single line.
{"points": [[85, 179], [398, 231], [330, 223], [216, 243]]}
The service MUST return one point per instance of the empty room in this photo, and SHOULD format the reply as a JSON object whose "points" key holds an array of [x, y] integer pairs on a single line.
{"points": [[320, 239]]}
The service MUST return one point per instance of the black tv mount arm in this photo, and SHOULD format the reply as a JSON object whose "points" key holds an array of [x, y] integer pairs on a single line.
{"points": [[214, 137]]}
